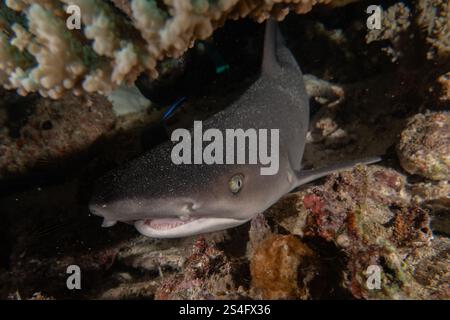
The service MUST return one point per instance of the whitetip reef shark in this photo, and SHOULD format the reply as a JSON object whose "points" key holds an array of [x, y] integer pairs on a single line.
{"points": [[165, 200]]}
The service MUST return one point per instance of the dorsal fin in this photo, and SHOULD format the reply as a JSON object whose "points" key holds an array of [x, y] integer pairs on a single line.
{"points": [[276, 55], [270, 63]]}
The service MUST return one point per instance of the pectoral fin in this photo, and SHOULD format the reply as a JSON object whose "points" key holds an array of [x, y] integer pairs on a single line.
{"points": [[306, 176], [108, 223]]}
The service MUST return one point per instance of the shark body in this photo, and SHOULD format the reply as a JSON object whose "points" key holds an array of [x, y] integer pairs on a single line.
{"points": [[165, 200]]}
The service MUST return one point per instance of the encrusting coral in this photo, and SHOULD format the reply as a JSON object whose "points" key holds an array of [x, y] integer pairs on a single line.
{"points": [[424, 146], [366, 218], [275, 268], [117, 41]]}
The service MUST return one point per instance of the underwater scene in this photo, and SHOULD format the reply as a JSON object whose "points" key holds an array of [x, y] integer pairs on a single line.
{"points": [[224, 150]]}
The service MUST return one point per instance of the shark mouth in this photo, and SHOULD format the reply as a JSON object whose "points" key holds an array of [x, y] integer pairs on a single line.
{"points": [[165, 223], [177, 228]]}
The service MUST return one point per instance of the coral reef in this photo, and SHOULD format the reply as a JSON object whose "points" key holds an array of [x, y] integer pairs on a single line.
{"points": [[206, 275], [396, 20], [374, 225], [275, 268], [425, 192], [444, 81], [35, 296], [153, 255], [314, 243], [424, 146], [434, 19], [38, 53]]}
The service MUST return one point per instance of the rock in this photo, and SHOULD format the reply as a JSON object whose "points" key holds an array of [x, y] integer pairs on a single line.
{"points": [[205, 275], [259, 231], [289, 213], [424, 146], [371, 226], [365, 217], [154, 255], [43, 133], [128, 99], [430, 267], [139, 290], [430, 191], [435, 196], [444, 83], [282, 268]]}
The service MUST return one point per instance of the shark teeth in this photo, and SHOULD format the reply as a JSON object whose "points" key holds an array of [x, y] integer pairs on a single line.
{"points": [[166, 223], [171, 228]]}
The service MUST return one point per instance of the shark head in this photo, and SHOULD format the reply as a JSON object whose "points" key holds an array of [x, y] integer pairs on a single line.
{"points": [[164, 200]]}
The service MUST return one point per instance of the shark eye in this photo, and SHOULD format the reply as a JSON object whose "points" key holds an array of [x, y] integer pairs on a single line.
{"points": [[236, 182]]}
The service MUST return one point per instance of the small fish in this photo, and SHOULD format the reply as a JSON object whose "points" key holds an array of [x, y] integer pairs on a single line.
{"points": [[165, 200], [158, 133]]}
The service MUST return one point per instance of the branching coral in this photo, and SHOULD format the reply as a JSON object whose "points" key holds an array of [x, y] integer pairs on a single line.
{"points": [[434, 18], [396, 20], [119, 39]]}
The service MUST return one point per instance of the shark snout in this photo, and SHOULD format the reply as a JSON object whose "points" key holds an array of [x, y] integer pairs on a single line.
{"points": [[98, 211], [141, 209], [94, 209]]}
